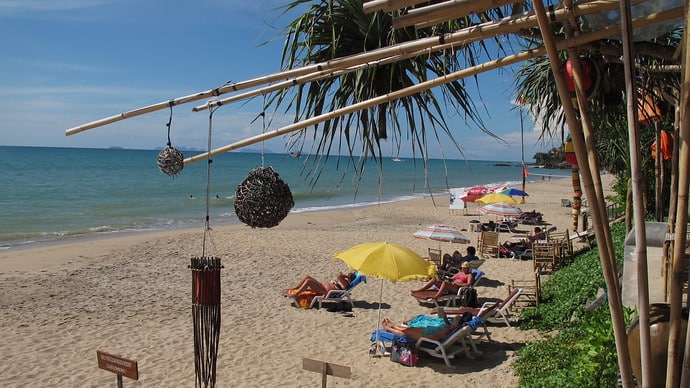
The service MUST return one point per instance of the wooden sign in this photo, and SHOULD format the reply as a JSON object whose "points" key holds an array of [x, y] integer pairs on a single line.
{"points": [[326, 369], [118, 364]]}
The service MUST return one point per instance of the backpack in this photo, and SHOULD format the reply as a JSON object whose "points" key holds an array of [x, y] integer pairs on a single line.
{"points": [[468, 297]]}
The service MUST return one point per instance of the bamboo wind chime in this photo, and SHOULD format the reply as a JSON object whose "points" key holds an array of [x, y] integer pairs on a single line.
{"points": [[206, 299]]}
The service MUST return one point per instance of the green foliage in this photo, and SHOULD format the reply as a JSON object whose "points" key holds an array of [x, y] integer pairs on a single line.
{"points": [[567, 290], [554, 158], [583, 352], [581, 355]]}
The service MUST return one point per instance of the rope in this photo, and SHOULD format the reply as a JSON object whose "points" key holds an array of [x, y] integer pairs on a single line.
{"points": [[263, 129], [170, 104], [207, 221]]}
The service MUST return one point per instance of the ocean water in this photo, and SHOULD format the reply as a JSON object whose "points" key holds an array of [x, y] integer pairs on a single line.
{"points": [[49, 194]]}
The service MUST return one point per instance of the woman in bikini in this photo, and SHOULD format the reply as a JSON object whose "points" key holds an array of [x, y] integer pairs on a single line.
{"points": [[464, 278], [341, 282]]}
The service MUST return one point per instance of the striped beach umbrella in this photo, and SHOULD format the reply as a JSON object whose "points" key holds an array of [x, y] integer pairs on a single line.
{"points": [[501, 209], [443, 233]]}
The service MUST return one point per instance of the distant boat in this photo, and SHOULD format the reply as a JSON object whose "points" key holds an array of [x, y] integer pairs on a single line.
{"points": [[295, 154], [397, 160]]}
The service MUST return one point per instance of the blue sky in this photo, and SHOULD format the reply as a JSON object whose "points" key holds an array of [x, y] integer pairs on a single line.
{"points": [[66, 63]]}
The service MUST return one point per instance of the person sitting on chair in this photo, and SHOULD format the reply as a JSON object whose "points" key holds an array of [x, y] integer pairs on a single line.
{"points": [[489, 226], [447, 261], [341, 282], [462, 279], [471, 255], [538, 235], [415, 333]]}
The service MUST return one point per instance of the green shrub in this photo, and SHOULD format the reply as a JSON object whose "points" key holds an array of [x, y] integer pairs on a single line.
{"points": [[583, 352]]}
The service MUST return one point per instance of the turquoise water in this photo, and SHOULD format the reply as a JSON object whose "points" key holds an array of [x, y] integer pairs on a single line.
{"points": [[54, 193]]}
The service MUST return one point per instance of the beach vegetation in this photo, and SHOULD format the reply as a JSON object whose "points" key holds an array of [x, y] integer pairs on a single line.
{"points": [[581, 352]]}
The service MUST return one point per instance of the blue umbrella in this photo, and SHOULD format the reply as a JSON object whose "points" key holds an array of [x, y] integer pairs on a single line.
{"points": [[514, 193]]}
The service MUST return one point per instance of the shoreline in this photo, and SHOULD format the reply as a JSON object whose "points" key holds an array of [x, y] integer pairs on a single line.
{"points": [[130, 295], [14, 245]]}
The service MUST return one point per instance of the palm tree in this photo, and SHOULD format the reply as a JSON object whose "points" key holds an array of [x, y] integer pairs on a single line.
{"points": [[338, 28]]}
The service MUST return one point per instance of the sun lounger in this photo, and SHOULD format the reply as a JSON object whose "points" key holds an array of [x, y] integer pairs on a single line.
{"points": [[458, 341], [432, 296], [334, 295], [499, 314]]}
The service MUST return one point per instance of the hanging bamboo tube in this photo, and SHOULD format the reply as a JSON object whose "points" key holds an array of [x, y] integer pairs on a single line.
{"points": [[679, 246], [638, 198], [599, 223], [465, 36], [502, 26], [490, 65]]}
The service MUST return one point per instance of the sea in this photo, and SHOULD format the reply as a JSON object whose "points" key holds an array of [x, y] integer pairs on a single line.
{"points": [[49, 195]]}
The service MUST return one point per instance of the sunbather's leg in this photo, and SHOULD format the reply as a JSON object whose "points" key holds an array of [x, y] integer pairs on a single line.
{"points": [[312, 284], [431, 283], [410, 332]]}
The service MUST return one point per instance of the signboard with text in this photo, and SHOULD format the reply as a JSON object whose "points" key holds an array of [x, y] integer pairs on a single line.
{"points": [[118, 364]]}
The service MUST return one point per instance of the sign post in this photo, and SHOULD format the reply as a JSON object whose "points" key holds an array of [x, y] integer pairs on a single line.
{"points": [[119, 365], [326, 368]]}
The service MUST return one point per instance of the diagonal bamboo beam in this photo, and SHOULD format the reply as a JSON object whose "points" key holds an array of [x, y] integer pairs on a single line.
{"points": [[490, 65], [504, 26], [681, 229], [638, 197], [609, 272]]}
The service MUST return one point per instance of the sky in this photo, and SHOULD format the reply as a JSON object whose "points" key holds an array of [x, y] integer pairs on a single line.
{"points": [[65, 63]]}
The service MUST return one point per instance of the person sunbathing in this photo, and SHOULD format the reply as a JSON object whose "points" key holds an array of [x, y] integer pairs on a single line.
{"points": [[415, 333], [341, 282], [463, 278]]}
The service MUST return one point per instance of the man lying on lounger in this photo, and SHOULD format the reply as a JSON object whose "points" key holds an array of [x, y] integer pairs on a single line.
{"points": [[430, 332]]}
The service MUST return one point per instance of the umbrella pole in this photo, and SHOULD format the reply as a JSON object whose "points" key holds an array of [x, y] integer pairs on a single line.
{"points": [[378, 343]]}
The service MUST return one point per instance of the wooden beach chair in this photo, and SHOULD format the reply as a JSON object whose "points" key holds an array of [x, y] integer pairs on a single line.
{"points": [[488, 244]]}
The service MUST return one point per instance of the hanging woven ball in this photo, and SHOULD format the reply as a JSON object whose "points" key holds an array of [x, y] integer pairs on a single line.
{"points": [[170, 161], [263, 199]]}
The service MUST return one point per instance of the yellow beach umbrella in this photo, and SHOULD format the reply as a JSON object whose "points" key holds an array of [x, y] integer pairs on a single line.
{"points": [[386, 261], [494, 198]]}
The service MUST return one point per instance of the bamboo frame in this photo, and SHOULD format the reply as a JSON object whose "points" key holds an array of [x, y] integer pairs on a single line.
{"points": [[502, 26], [490, 65], [599, 222], [427, 46]]}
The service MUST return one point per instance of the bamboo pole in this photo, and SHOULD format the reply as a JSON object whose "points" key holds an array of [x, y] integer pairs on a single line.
{"points": [[490, 65], [581, 152], [503, 26], [465, 36], [447, 10], [638, 197], [388, 5], [679, 246]]}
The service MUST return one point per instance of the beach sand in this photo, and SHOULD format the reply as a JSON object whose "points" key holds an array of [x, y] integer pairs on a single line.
{"points": [[131, 296]]}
